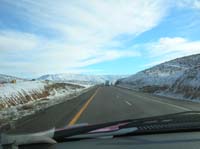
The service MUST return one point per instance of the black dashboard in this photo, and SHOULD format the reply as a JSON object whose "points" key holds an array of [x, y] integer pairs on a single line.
{"points": [[186, 140]]}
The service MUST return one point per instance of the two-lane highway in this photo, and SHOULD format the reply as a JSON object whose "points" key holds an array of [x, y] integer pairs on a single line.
{"points": [[103, 104], [113, 104]]}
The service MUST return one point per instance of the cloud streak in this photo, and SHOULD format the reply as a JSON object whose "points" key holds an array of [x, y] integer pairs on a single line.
{"points": [[10, 40], [195, 4], [82, 33], [167, 48], [171, 46]]}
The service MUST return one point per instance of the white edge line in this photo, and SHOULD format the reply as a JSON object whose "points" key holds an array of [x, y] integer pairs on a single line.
{"points": [[179, 107], [128, 103]]}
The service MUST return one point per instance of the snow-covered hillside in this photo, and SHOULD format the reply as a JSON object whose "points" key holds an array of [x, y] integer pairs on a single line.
{"points": [[81, 78], [7, 79], [179, 77], [27, 97], [12, 94]]}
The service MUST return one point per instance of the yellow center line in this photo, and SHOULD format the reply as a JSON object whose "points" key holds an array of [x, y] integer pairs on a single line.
{"points": [[76, 117]]}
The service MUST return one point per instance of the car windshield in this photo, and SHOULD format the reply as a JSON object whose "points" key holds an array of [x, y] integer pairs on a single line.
{"points": [[69, 63]]}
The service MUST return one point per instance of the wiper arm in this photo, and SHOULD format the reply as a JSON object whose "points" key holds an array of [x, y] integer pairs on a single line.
{"points": [[14, 140]]}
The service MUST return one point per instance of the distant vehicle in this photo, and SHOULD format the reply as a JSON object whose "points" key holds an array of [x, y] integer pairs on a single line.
{"points": [[107, 83], [13, 81]]}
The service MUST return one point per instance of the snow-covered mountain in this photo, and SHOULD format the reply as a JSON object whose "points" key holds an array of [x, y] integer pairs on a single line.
{"points": [[81, 78], [7, 79], [179, 77]]}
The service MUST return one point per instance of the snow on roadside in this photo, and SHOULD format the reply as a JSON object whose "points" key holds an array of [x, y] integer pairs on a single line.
{"points": [[177, 96], [11, 89], [86, 85], [7, 79], [179, 78], [16, 112], [12, 94], [57, 93]]}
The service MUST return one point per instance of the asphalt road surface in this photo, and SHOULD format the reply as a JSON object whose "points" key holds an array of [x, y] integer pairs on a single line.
{"points": [[103, 104]]}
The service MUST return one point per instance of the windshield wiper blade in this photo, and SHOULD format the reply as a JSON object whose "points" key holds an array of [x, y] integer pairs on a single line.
{"points": [[183, 121], [176, 122], [61, 135], [50, 136], [123, 131]]}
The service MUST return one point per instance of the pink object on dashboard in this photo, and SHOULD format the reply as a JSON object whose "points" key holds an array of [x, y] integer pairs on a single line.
{"points": [[110, 128]]}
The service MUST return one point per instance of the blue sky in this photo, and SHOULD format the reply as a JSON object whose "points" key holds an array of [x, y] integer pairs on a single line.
{"points": [[95, 37]]}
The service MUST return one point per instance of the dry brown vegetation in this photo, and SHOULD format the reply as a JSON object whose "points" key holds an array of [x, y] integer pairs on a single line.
{"points": [[188, 92], [24, 97], [153, 89]]}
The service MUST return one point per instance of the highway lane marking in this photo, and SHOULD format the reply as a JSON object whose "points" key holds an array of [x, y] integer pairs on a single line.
{"points": [[76, 117], [179, 107], [128, 103], [175, 106]]}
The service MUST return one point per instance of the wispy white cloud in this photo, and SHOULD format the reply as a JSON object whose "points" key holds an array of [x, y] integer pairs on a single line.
{"points": [[86, 32], [84, 21], [195, 4], [167, 48], [49, 56], [10, 40], [173, 46]]}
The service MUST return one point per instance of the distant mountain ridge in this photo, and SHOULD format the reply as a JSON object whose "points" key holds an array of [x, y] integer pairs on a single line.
{"points": [[81, 78], [179, 77], [7, 78]]}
